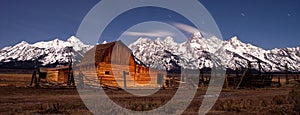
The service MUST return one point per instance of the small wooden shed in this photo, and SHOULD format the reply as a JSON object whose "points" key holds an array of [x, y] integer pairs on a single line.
{"points": [[58, 74], [116, 66]]}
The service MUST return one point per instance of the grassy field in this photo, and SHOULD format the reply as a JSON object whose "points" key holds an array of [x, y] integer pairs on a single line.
{"points": [[16, 98]]}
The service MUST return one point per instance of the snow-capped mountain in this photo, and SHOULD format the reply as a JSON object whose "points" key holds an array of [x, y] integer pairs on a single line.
{"points": [[46, 53], [195, 53], [199, 52]]}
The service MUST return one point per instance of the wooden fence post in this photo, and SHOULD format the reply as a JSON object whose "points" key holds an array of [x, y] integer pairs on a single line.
{"points": [[124, 76], [286, 74], [279, 81]]}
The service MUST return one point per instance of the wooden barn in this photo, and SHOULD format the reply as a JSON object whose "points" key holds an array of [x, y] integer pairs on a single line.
{"points": [[116, 66], [57, 75]]}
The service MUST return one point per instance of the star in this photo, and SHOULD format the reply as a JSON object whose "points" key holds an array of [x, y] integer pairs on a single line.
{"points": [[242, 14]]}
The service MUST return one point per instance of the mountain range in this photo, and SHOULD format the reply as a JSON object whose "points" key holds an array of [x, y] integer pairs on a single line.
{"points": [[50, 53], [195, 53], [199, 52]]}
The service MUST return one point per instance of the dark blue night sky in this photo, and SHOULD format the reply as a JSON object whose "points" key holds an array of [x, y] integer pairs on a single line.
{"points": [[264, 23]]}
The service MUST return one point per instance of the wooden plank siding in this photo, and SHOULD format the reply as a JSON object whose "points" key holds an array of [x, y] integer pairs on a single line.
{"points": [[111, 60], [58, 75]]}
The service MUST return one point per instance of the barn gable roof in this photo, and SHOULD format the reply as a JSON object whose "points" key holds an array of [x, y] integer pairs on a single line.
{"points": [[98, 53]]}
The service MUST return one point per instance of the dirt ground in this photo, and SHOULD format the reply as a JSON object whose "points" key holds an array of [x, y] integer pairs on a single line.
{"points": [[16, 98]]}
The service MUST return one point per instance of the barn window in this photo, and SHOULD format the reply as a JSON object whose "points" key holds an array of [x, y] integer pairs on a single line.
{"points": [[137, 70], [107, 72], [43, 75]]}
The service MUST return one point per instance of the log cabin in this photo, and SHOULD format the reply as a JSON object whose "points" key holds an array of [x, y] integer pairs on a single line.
{"points": [[116, 66], [56, 75]]}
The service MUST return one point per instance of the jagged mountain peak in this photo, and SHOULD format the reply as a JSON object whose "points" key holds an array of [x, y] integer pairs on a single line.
{"points": [[197, 52], [73, 39], [104, 42], [197, 35], [22, 43], [158, 39], [143, 39], [48, 52], [56, 43], [169, 39], [234, 39]]}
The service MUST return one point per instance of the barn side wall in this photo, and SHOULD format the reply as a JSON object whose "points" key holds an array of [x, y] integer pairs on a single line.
{"points": [[112, 75]]}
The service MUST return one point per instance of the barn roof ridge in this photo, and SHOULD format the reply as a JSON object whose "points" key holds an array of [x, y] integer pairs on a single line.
{"points": [[101, 49]]}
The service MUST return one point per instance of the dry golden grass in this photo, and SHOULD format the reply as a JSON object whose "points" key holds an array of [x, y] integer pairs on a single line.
{"points": [[278, 104], [15, 98]]}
